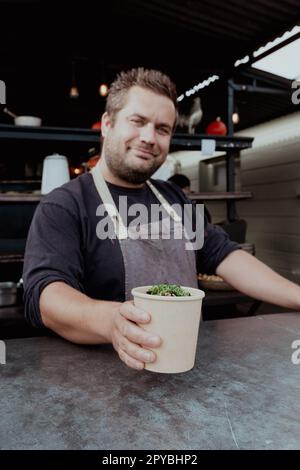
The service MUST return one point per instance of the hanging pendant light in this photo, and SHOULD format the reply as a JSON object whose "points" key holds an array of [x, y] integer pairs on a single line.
{"points": [[103, 89], [235, 116], [74, 92]]}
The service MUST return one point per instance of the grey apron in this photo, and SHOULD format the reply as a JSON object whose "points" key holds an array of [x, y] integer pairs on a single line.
{"points": [[154, 260]]}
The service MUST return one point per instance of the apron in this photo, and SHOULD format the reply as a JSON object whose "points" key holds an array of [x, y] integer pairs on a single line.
{"points": [[155, 260]]}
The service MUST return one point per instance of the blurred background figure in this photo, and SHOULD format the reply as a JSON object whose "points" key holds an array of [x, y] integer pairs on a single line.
{"points": [[185, 184], [182, 181]]}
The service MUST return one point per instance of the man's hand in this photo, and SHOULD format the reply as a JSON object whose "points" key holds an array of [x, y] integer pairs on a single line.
{"points": [[129, 339], [80, 319]]}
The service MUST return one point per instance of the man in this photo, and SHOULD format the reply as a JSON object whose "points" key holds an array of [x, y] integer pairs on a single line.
{"points": [[77, 282]]}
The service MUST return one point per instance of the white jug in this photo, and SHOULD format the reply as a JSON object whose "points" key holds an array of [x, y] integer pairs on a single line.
{"points": [[55, 172]]}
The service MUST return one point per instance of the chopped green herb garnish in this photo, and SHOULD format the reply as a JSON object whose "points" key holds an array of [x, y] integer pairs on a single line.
{"points": [[170, 290]]}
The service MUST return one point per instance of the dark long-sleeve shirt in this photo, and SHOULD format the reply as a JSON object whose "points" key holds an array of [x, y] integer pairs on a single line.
{"points": [[62, 244]]}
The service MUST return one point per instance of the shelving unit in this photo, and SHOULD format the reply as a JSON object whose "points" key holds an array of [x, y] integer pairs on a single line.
{"points": [[232, 146], [77, 142]]}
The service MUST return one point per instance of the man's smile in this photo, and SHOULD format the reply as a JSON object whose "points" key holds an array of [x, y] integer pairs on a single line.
{"points": [[143, 153]]}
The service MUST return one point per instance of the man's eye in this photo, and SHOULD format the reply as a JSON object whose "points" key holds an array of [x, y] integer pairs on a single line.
{"points": [[136, 121], [164, 131]]}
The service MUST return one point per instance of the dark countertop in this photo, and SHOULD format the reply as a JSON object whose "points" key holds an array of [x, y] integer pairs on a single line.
{"points": [[243, 393]]}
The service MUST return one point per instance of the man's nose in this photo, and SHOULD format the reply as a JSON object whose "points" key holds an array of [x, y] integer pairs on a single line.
{"points": [[147, 134]]}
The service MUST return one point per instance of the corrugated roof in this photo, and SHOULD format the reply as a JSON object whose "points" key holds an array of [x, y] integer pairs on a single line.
{"points": [[188, 39], [249, 22]]}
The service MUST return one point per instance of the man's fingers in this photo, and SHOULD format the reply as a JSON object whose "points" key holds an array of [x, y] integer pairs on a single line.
{"points": [[130, 361], [135, 351], [130, 340], [131, 312], [136, 334]]}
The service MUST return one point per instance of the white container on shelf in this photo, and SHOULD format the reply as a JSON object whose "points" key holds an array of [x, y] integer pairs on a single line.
{"points": [[55, 172], [28, 121]]}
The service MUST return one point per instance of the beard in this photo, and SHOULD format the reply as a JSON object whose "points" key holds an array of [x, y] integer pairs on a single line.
{"points": [[120, 167]]}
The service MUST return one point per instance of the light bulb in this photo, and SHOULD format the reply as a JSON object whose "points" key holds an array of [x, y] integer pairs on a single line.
{"points": [[103, 89], [235, 118], [74, 93]]}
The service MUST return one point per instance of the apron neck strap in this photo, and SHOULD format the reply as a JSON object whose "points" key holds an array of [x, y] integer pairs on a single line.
{"points": [[173, 214], [106, 197], [109, 203]]}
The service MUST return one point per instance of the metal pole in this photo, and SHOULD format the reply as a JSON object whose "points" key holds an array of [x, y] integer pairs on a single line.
{"points": [[230, 170], [230, 108], [230, 184]]}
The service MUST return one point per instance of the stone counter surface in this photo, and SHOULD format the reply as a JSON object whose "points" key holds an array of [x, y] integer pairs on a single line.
{"points": [[243, 393]]}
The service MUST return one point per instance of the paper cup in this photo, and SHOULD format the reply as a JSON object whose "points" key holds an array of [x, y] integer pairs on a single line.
{"points": [[176, 320]]}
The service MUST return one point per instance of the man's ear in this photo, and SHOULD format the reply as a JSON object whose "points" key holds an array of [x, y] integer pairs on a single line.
{"points": [[105, 124]]}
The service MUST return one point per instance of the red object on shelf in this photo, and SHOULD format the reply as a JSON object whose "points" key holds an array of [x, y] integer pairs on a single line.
{"points": [[216, 127], [96, 125], [93, 161]]}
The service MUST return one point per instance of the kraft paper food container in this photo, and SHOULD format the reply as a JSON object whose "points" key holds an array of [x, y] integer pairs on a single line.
{"points": [[176, 320]]}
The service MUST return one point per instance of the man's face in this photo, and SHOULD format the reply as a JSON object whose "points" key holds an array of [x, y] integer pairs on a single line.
{"points": [[137, 143]]}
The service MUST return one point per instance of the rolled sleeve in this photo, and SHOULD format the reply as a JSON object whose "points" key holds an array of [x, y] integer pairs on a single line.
{"points": [[217, 246], [53, 253]]}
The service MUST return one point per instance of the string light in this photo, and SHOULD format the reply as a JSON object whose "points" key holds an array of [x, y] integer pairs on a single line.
{"points": [[238, 62], [198, 87]]}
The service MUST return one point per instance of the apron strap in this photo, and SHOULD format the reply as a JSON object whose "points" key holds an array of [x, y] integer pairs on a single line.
{"points": [[173, 214], [109, 203]]}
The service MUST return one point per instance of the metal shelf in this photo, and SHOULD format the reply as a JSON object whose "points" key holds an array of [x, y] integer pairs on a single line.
{"points": [[65, 134], [11, 258], [210, 196], [58, 134], [194, 142], [22, 197]]}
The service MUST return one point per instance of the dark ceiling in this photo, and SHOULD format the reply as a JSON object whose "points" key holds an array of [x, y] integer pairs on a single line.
{"points": [[188, 39]]}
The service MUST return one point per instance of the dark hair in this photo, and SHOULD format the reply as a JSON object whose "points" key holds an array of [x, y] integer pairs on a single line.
{"points": [[153, 80], [180, 180]]}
